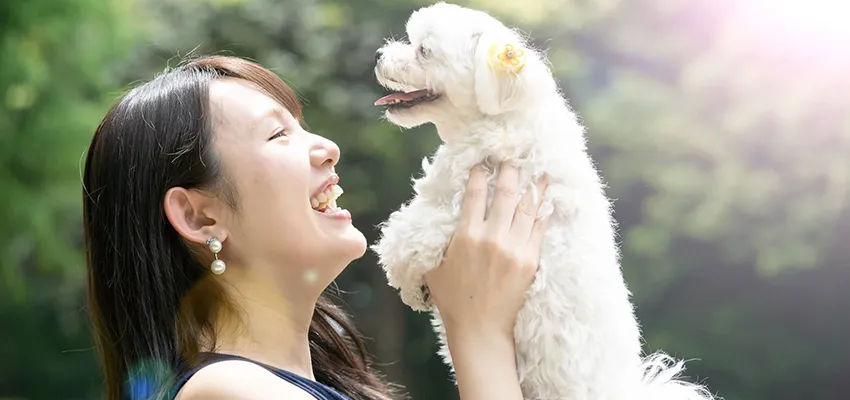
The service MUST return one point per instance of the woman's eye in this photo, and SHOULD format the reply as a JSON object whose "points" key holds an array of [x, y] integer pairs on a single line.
{"points": [[280, 133]]}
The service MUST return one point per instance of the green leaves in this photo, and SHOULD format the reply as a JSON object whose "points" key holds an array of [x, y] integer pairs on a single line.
{"points": [[54, 86], [726, 146], [740, 145]]}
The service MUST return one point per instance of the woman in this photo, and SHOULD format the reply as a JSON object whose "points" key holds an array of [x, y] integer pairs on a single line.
{"points": [[211, 234]]}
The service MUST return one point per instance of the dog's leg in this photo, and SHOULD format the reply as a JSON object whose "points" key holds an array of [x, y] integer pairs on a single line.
{"points": [[412, 243]]}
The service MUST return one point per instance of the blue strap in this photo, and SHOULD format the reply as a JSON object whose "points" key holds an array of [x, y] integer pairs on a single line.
{"points": [[317, 390]]}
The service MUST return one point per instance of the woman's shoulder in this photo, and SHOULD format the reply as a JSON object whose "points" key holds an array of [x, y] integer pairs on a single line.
{"points": [[238, 379]]}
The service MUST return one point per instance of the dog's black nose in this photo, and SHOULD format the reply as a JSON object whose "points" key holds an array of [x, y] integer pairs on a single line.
{"points": [[378, 56]]}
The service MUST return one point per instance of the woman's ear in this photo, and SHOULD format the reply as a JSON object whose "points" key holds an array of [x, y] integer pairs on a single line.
{"points": [[193, 215]]}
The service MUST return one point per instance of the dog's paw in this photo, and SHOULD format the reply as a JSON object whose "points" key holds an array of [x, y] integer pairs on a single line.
{"points": [[426, 294], [418, 298]]}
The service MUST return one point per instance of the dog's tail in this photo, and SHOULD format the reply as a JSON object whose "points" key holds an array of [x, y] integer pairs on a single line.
{"points": [[661, 374]]}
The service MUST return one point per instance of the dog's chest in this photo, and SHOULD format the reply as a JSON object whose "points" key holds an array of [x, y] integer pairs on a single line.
{"points": [[445, 177]]}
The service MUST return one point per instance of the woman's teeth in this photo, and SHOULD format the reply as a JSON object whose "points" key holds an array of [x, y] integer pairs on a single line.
{"points": [[327, 198]]}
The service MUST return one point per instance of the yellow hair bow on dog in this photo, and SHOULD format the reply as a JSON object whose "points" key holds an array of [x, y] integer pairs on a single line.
{"points": [[507, 57]]}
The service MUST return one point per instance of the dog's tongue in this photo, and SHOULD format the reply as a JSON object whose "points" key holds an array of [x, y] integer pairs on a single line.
{"points": [[401, 96]]}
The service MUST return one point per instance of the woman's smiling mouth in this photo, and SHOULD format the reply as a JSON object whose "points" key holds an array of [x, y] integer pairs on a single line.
{"points": [[324, 200]]}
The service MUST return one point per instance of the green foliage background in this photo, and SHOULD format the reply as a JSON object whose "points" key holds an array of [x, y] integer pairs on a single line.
{"points": [[725, 141]]}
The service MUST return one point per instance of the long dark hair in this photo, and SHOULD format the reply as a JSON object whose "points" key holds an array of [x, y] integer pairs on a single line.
{"points": [[151, 300]]}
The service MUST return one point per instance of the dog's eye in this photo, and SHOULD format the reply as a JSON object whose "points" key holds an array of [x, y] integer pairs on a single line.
{"points": [[423, 51]]}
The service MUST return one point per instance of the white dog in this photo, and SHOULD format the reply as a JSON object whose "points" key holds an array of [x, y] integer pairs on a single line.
{"points": [[492, 98]]}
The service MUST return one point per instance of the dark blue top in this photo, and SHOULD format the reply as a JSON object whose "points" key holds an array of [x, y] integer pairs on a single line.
{"points": [[316, 389]]}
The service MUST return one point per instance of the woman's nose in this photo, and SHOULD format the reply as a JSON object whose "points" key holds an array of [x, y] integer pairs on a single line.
{"points": [[325, 152]]}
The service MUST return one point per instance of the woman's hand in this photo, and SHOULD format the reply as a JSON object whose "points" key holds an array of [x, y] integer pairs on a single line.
{"points": [[490, 263], [481, 284]]}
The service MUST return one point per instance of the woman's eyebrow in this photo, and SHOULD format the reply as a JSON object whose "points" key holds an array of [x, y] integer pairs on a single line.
{"points": [[274, 112]]}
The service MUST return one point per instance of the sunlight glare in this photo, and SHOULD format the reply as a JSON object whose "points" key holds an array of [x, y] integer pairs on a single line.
{"points": [[817, 19]]}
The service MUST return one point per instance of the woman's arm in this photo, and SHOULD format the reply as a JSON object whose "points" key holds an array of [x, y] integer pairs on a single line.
{"points": [[481, 284], [485, 364]]}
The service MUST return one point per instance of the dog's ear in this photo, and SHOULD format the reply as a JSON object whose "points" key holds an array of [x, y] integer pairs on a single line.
{"points": [[501, 76]]}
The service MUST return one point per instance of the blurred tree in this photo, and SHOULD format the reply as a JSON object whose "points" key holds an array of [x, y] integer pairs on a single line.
{"points": [[57, 75], [724, 142]]}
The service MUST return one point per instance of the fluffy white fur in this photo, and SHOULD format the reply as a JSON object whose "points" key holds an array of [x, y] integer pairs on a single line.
{"points": [[576, 337]]}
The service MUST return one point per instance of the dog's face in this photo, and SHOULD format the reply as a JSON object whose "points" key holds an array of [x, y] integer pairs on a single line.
{"points": [[447, 72]]}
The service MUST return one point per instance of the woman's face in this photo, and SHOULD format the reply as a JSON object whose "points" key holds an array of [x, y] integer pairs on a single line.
{"points": [[276, 168]]}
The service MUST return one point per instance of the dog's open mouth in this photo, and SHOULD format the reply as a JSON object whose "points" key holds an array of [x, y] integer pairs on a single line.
{"points": [[407, 100]]}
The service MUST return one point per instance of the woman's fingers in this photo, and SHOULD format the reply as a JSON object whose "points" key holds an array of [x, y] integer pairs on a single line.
{"points": [[526, 210], [474, 203], [536, 239], [505, 198]]}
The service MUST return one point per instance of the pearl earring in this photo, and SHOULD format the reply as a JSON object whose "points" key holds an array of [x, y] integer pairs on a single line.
{"points": [[217, 267]]}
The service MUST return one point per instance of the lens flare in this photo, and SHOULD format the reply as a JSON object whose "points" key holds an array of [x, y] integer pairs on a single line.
{"points": [[812, 19]]}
